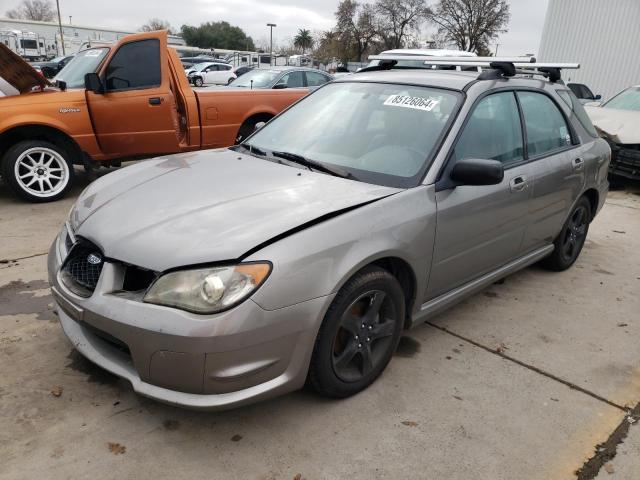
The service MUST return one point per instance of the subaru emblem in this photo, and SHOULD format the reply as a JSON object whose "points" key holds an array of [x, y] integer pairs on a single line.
{"points": [[94, 259]]}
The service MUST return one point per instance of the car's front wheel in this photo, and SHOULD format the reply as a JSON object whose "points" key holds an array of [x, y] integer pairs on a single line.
{"points": [[359, 334], [37, 170], [198, 82], [569, 243]]}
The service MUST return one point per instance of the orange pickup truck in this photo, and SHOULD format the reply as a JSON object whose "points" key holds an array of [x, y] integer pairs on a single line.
{"points": [[127, 100]]}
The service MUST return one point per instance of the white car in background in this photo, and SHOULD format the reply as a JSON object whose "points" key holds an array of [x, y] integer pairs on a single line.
{"points": [[618, 122], [210, 73]]}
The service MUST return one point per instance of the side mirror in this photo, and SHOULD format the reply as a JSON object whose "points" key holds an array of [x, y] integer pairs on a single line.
{"points": [[598, 97], [259, 125], [92, 83], [473, 171], [279, 86]]}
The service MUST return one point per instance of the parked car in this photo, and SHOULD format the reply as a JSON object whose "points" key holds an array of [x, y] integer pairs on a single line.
{"points": [[583, 93], [52, 67], [239, 71], [121, 101], [301, 255], [211, 73], [618, 121], [282, 77]]}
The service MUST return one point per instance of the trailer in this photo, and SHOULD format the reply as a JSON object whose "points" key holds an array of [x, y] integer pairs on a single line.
{"points": [[28, 45]]}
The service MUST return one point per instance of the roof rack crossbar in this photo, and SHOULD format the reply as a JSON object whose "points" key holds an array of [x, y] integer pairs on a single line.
{"points": [[389, 56], [520, 65]]}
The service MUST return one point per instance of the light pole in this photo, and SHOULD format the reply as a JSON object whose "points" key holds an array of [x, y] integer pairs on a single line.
{"points": [[70, 17], [497, 45], [271, 25], [60, 26]]}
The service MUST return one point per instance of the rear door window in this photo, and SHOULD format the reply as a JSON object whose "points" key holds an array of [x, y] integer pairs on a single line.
{"points": [[493, 131], [570, 99], [315, 79], [135, 65], [546, 127], [293, 80]]}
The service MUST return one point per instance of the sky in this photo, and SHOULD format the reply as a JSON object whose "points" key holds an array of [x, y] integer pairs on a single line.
{"points": [[525, 28]]}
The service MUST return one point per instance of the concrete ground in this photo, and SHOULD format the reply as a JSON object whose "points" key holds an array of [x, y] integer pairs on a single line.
{"points": [[533, 378]]}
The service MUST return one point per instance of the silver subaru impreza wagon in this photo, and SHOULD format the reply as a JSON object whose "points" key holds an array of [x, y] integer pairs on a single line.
{"points": [[218, 278]]}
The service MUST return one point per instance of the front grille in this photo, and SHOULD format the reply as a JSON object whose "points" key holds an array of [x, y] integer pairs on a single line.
{"points": [[81, 270], [625, 160]]}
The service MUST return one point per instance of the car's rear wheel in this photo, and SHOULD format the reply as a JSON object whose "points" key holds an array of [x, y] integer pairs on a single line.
{"points": [[569, 243], [198, 82], [38, 171], [359, 334]]}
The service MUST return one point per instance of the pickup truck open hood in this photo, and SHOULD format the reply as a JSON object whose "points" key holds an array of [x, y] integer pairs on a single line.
{"points": [[18, 73], [621, 126], [208, 206]]}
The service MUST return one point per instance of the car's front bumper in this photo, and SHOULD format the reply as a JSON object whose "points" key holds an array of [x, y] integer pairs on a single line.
{"points": [[206, 362], [625, 160]]}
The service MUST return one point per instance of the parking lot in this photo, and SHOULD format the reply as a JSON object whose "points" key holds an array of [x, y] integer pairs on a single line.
{"points": [[522, 381]]}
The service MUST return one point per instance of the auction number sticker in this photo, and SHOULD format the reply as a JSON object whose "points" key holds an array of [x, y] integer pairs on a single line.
{"points": [[407, 101]]}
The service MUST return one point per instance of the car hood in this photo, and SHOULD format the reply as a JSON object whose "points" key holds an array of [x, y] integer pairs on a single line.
{"points": [[18, 73], [621, 126], [209, 206]]}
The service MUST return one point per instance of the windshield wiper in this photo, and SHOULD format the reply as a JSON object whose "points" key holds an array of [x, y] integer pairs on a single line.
{"points": [[252, 150], [312, 164]]}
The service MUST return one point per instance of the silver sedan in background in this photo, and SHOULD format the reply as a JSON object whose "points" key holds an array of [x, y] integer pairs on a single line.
{"points": [[217, 278]]}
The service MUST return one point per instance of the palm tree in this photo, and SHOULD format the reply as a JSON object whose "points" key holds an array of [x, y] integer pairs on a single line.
{"points": [[303, 39]]}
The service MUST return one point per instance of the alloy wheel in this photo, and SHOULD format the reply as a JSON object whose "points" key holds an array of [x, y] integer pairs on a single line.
{"points": [[575, 233], [364, 334], [41, 172]]}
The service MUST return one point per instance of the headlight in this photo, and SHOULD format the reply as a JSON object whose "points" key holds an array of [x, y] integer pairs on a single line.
{"points": [[208, 290]]}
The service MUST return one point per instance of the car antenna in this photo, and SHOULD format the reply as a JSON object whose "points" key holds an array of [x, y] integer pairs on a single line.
{"points": [[251, 84]]}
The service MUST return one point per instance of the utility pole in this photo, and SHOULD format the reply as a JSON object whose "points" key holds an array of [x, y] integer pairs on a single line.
{"points": [[70, 17], [271, 25], [496, 54], [60, 26]]}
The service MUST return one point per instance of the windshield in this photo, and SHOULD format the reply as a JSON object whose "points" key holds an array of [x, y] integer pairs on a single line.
{"points": [[84, 62], [628, 99], [380, 133], [57, 59], [260, 78]]}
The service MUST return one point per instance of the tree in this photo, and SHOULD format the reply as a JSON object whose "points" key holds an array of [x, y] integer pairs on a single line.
{"points": [[397, 18], [303, 40], [471, 24], [156, 24], [217, 35], [38, 10], [357, 24]]}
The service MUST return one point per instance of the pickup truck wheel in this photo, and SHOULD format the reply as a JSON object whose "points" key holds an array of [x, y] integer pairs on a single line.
{"points": [[198, 82], [38, 171]]}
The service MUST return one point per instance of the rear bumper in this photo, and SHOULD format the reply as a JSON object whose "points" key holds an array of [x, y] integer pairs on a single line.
{"points": [[202, 362]]}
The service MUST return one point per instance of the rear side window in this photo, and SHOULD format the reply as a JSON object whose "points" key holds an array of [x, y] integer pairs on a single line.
{"points": [[135, 65], [546, 127], [570, 99], [315, 79], [493, 131]]}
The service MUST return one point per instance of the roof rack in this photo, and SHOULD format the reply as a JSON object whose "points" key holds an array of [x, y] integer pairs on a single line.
{"points": [[498, 67]]}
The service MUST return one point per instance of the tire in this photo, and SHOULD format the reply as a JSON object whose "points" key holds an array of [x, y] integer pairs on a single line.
{"points": [[230, 80], [570, 241], [351, 333], [38, 171], [198, 82], [248, 127]]}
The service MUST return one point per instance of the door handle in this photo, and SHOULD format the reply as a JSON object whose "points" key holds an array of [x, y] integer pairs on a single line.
{"points": [[518, 184], [155, 101], [578, 163]]}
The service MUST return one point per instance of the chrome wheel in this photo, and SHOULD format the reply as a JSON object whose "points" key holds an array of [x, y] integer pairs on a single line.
{"points": [[366, 330], [41, 172]]}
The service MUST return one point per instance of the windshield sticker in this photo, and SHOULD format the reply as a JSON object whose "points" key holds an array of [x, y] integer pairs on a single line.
{"points": [[406, 101]]}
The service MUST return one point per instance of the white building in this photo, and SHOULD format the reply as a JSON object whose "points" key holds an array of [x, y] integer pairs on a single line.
{"points": [[602, 35], [74, 35]]}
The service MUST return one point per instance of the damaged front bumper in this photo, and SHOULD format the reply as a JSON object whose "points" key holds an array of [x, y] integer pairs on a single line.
{"points": [[625, 160]]}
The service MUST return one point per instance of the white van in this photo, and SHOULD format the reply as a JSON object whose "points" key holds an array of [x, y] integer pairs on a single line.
{"points": [[422, 52]]}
